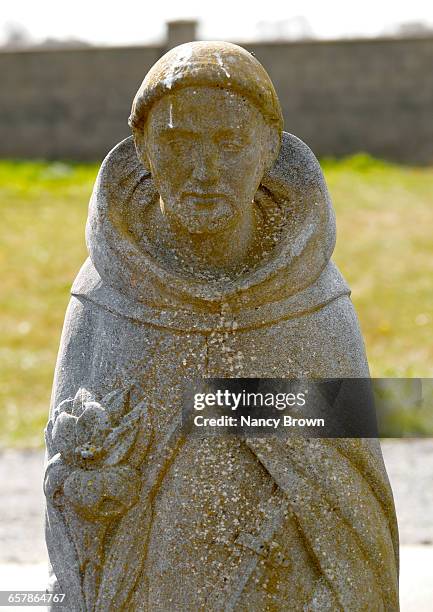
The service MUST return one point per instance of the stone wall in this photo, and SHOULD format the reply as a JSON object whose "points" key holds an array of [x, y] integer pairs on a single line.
{"points": [[68, 104], [347, 96], [340, 97]]}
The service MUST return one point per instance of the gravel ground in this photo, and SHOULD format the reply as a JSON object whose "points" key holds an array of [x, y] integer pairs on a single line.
{"points": [[409, 464]]}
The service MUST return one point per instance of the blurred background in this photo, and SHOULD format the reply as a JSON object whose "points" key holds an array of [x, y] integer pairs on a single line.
{"points": [[355, 83]]}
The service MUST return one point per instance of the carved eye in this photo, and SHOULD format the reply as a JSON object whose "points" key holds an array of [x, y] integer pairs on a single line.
{"points": [[177, 141], [180, 146], [232, 146]]}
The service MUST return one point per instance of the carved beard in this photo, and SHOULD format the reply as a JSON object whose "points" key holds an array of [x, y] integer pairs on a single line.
{"points": [[202, 217]]}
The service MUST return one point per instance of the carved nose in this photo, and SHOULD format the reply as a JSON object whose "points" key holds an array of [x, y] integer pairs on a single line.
{"points": [[206, 167]]}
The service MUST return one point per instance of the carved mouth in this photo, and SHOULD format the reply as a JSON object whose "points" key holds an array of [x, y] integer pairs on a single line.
{"points": [[204, 198]]}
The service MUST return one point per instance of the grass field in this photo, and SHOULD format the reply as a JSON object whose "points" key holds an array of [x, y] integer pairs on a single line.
{"points": [[384, 249]]}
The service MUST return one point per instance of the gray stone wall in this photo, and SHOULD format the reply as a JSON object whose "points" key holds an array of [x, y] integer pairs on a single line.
{"points": [[340, 97], [70, 104], [347, 96]]}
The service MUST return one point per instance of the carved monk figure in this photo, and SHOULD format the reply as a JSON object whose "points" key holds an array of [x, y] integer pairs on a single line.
{"points": [[210, 233]]}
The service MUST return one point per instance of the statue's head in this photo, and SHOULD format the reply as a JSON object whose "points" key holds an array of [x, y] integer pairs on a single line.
{"points": [[207, 123]]}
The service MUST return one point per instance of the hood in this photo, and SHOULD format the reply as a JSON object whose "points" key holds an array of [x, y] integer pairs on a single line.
{"points": [[296, 276]]}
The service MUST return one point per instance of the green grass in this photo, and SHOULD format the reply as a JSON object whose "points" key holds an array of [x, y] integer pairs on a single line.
{"points": [[384, 249], [43, 211]]}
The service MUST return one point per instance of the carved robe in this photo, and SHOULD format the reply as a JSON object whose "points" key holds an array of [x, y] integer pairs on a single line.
{"points": [[212, 523]]}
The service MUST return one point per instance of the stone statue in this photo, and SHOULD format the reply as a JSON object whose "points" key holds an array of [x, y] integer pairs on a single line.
{"points": [[210, 234]]}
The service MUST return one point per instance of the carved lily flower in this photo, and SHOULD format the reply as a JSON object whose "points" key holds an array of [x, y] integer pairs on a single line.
{"points": [[80, 438], [96, 448], [84, 431], [98, 495], [92, 427]]}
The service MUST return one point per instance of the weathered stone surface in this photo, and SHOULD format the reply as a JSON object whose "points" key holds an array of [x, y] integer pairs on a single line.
{"points": [[210, 234]]}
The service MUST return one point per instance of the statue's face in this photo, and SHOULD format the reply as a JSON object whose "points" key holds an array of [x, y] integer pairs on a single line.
{"points": [[207, 152]]}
